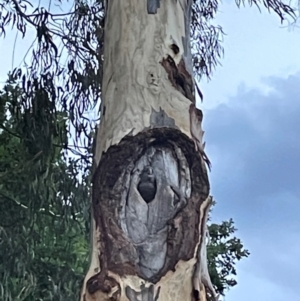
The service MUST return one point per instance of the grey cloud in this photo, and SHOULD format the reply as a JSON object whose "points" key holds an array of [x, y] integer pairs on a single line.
{"points": [[253, 142]]}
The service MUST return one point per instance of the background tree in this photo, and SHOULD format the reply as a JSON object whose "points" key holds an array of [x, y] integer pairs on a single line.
{"points": [[43, 207], [172, 121], [223, 251]]}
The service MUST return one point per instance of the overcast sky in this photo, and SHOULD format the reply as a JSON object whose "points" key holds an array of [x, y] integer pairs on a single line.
{"points": [[252, 125], [252, 133]]}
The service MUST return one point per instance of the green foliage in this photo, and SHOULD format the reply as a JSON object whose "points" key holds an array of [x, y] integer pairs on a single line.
{"points": [[43, 207], [222, 252]]}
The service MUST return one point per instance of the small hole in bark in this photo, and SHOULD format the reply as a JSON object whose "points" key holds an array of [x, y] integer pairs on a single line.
{"points": [[196, 295], [175, 48]]}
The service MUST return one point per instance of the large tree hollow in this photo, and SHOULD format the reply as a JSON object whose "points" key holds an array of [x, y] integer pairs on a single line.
{"points": [[147, 202]]}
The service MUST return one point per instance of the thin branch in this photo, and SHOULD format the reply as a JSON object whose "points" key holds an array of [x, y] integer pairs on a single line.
{"points": [[41, 210], [9, 131]]}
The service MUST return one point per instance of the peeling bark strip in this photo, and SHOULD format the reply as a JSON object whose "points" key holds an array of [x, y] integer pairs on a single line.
{"points": [[150, 186], [201, 278], [178, 76], [197, 133]]}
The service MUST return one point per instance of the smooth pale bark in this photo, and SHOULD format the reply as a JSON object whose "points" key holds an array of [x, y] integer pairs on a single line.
{"points": [[150, 188]]}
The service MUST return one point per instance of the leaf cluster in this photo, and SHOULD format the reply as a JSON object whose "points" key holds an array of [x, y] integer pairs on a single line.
{"points": [[66, 59], [43, 209], [223, 252]]}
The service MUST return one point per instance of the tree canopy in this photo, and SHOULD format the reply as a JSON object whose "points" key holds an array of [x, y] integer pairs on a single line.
{"points": [[43, 210]]}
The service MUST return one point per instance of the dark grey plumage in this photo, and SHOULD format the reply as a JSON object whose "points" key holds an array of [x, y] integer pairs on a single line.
{"points": [[147, 185]]}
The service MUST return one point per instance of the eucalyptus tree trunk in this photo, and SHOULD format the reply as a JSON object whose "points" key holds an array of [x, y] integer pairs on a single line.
{"points": [[150, 188]]}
